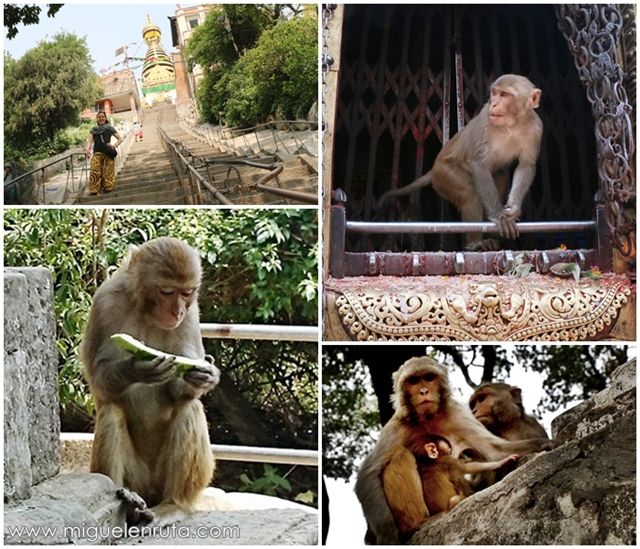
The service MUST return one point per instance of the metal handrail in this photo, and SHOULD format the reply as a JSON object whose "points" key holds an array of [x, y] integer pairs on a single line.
{"points": [[214, 136], [181, 151], [259, 331], [484, 227], [226, 452], [186, 164], [22, 177]]}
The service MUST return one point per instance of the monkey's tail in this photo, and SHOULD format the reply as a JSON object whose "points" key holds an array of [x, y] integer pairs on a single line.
{"points": [[419, 183]]}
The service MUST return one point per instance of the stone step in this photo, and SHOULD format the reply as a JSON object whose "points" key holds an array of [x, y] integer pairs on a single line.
{"points": [[142, 186], [140, 172], [175, 196], [72, 509]]}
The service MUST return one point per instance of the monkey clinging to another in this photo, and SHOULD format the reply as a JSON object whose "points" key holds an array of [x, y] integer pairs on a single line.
{"points": [[151, 433], [472, 169]]}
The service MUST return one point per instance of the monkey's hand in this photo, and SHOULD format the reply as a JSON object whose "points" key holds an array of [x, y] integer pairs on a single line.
{"points": [[512, 211], [509, 459], [153, 372], [137, 512], [507, 225], [203, 378]]}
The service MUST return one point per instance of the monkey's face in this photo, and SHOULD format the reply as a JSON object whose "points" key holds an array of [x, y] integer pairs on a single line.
{"points": [[171, 305], [482, 405], [423, 392], [503, 109]]}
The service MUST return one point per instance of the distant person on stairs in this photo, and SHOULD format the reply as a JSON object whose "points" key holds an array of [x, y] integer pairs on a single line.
{"points": [[137, 132], [102, 176]]}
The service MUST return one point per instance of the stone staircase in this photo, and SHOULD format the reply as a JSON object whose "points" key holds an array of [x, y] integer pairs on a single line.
{"points": [[148, 177]]}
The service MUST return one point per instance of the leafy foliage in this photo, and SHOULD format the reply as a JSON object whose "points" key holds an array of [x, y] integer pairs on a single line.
{"points": [[278, 77], [228, 30], [256, 63], [259, 266], [350, 414], [44, 92], [26, 14], [271, 483]]}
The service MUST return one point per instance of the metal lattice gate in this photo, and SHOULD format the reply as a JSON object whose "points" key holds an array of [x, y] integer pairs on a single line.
{"points": [[413, 75]]}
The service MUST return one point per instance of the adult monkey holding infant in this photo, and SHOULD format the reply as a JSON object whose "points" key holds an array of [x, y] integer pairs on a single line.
{"points": [[388, 484], [472, 169]]}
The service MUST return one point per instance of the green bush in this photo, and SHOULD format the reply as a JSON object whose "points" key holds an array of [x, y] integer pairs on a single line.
{"points": [[278, 78]]}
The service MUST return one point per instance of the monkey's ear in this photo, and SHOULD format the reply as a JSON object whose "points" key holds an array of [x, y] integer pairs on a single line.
{"points": [[431, 449], [534, 102], [516, 393], [132, 256]]}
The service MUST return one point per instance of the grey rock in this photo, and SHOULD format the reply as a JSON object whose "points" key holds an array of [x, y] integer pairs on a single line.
{"points": [[76, 508], [30, 351], [582, 492]]}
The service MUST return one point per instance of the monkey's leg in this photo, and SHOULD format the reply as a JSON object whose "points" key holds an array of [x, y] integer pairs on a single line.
{"points": [[454, 500], [455, 185], [403, 490], [113, 451], [471, 210], [185, 465], [115, 456]]}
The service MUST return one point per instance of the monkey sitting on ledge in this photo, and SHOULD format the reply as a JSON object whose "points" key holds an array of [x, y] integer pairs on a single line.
{"points": [[472, 169], [151, 433]]}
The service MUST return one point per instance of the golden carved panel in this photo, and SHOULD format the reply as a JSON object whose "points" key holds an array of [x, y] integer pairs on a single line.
{"points": [[476, 308]]}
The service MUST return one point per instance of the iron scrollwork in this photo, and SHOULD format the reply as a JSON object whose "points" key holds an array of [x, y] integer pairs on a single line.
{"points": [[592, 32]]}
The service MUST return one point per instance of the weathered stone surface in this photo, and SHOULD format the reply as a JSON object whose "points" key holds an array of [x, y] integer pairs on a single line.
{"points": [[600, 410], [582, 492], [77, 508], [267, 527], [82, 508], [17, 456], [30, 348]]}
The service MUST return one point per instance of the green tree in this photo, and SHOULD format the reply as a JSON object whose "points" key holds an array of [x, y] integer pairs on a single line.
{"points": [[278, 77], [27, 14], [228, 30], [257, 63], [573, 372], [45, 91]]}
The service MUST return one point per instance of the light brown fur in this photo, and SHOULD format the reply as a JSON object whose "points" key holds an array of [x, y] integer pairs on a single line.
{"points": [[443, 482], [151, 433]]}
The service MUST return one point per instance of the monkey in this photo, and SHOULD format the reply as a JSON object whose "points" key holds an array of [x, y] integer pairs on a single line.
{"points": [[388, 485], [472, 169], [498, 406], [443, 482], [151, 434]]}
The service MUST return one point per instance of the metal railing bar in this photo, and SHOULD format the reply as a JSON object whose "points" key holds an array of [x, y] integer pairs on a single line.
{"points": [[225, 452], [464, 227], [259, 331]]}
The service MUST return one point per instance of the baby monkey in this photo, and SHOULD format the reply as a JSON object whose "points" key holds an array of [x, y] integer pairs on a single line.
{"points": [[442, 476]]}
